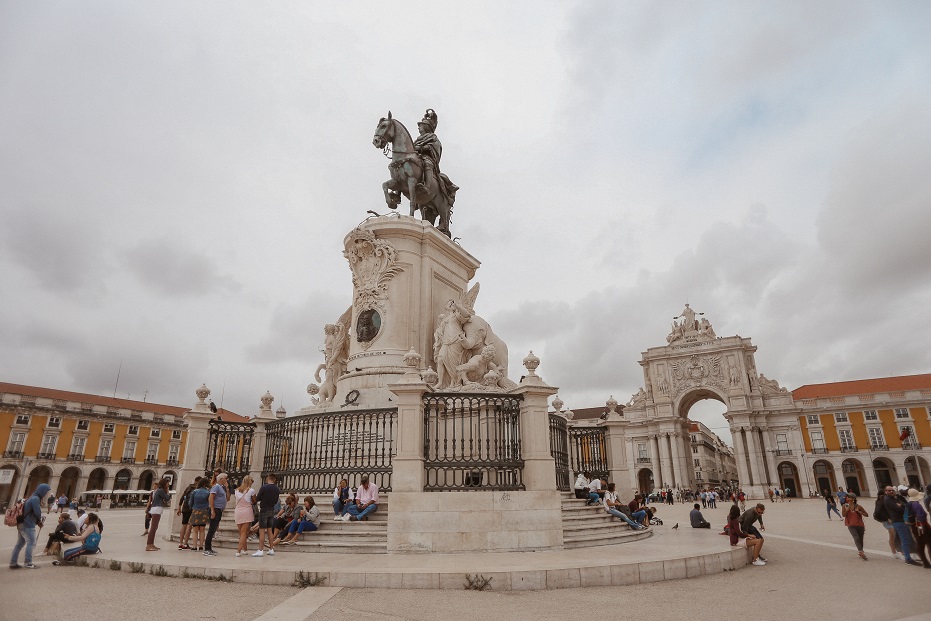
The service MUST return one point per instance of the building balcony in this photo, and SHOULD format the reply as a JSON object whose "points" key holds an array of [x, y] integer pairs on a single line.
{"points": [[819, 451], [911, 446], [12, 454], [644, 460], [46, 456], [848, 449], [76, 457], [102, 459], [783, 452], [128, 460], [171, 462], [151, 461], [879, 447]]}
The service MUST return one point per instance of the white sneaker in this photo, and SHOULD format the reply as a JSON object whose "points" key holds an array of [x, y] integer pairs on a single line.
{"points": [[239, 554], [271, 552], [898, 556], [258, 553], [338, 518], [758, 563], [348, 516]]}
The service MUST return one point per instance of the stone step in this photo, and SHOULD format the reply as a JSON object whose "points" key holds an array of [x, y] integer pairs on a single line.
{"points": [[595, 527], [601, 539]]}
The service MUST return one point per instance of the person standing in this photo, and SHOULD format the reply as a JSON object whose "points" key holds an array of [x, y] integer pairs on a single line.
{"points": [[841, 496], [921, 531], [881, 516], [267, 498], [160, 499], [26, 530], [219, 495], [853, 519], [244, 513], [895, 508], [184, 510], [831, 503], [200, 512]]}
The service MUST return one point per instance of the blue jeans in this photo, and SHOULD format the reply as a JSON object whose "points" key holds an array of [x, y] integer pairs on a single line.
{"points": [[901, 529], [300, 527], [593, 498], [337, 506], [353, 510], [629, 521], [639, 515], [834, 509], [753, 531], [26, 536]]}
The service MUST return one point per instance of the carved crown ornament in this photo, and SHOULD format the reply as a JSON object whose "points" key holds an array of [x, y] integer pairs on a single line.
{"points": [[373, 264]]}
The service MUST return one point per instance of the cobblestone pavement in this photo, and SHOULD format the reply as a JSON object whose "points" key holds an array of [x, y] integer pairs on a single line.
{"points": [[813, 572]]}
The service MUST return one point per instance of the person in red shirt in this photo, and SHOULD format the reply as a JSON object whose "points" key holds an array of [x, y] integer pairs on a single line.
{"points": [[753, 543], [853, 515]]}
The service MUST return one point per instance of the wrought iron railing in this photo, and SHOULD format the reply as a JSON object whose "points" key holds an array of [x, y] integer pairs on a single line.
{"points": [[76, 457], [559, 449], [472, 442], [127, 460], [783, 452], [848, 449], [311, 453], [879, 447], [644, 461], [151, 461], [819, 451], [587, 452], [102, 459], [12, 454], [230, 449], [172, 461]]}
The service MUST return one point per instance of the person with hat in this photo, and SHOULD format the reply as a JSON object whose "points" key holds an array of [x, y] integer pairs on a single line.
{"points": [[431, 150], [896, 506], [853, 519], [921, 531]]}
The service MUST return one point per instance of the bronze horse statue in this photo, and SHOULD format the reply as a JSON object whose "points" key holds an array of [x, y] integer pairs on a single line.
{"points": [[407, 176]]}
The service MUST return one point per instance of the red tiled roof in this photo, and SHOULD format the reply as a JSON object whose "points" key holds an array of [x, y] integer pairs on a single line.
{"points": [[80, 397], [863, 387]]}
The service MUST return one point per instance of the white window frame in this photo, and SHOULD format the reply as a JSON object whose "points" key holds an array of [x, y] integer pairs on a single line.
{"points": [[642, 451], [152, 451], [109, 427], [911, 442], [49, 444], [78, 444], [176, 434], [870, 415], [173, 451], [782, 442], [872, 434], [83, 425], [840, 417], [105, 443], [17, 441], [813, 419], [155, 432], [817, 443], [129, 449], [133, 430], [902, 413], [22, 419], [54, 422], [846, 438]]}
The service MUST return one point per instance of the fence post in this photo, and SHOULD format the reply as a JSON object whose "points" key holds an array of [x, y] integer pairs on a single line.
{"points": [[195, 452], [539, 465], [265, 416], [407, 473]]}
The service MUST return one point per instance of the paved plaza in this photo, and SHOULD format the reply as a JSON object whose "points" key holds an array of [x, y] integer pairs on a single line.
{"points": [[813, 572]]}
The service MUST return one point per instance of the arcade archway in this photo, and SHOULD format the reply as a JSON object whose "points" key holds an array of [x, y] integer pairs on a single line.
{"points": [[68, 484], [645, 480], [824, 476], [789, 479], [854, 477], [97, 479], [146, 479], [885, 472], [122, 480], [38, 476], [7, 490], [917, 472]]}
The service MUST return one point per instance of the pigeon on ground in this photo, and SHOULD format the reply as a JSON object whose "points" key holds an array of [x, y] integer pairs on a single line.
{"points": [[676, 526]]}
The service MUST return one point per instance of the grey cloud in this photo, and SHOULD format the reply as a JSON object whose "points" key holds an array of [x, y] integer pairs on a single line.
{"points": [[295, 331], [172, 269]]}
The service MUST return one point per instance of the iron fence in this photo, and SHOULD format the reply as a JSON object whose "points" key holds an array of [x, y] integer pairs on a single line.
{"points": [[229, 447], [472, 442], [311, 453], [559, 449], [587, 451]]}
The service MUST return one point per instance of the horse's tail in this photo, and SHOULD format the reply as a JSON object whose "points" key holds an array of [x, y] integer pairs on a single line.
{"points": [[317, 372]]}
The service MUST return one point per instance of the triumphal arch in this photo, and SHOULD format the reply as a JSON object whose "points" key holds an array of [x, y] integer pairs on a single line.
{"points": [[693, 365]]}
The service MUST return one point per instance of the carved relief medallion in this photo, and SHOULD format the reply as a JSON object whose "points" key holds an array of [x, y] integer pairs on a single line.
{"points": [[373, 264], [696, 371]]}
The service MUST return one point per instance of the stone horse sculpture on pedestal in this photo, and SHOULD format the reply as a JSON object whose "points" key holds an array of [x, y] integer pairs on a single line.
{"points": [[433, 194]]}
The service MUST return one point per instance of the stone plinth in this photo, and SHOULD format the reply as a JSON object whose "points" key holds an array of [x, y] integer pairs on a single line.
{"points": [[446, 522]]}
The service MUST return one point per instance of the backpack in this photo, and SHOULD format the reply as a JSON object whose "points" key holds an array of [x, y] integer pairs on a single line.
{"points": [[879, 513], [14, 515]]}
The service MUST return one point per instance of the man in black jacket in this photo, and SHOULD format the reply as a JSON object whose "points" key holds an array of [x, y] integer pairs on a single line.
{"points": [[895, 507]]}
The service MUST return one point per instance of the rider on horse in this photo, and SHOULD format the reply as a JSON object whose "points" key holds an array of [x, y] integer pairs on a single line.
{"points": [[431, 150]]}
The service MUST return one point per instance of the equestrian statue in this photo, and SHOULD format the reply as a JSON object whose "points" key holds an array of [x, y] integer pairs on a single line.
{"points": [[415, 170]]}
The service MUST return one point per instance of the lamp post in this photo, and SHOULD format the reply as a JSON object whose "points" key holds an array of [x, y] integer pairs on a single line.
{"points": [[801, 453]]}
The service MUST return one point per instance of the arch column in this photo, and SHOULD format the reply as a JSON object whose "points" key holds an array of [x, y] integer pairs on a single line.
{"points": [[665, 459], [676, 451], [772, 475], [657, 462], [753, 457], [740, 455], [631, 464]]}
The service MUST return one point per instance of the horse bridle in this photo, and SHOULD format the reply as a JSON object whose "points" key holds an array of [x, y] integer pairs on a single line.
{"points": [[388, 150]]}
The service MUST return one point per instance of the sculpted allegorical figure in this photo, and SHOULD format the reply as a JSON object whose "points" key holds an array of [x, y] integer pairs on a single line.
{"points": [[448, 348], [477, 366], [336, 356]]}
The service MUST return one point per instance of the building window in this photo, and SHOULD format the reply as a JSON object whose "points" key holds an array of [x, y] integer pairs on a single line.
{"points": [[846, 439], [77, 445], [695, 449], [698, 463], [129, 451], [17, 440], [176, 434], [83, 425], [813, 419], [817, 440], [105, 445], [173, 451], [48, 444], [909, 443], [840, 417], [642, 451], [54, 421], [133, 430], [155, 433], [22, 419], [782, 442], [698, 476], [153, 450], [108, 427], [876, 437], [870, 415], [901, 413]]}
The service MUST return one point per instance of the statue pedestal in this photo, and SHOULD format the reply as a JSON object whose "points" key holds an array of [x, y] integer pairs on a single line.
{"points": [[404, 272]]}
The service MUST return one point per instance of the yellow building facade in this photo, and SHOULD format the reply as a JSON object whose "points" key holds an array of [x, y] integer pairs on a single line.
{"points": [[77, 442]]}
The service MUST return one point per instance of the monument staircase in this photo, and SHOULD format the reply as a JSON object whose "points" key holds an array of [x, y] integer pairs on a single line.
{"points": [[586, 526], [367, 537]]}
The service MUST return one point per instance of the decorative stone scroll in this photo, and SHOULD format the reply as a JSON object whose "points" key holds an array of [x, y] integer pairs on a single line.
{"points": [[373, 264]]}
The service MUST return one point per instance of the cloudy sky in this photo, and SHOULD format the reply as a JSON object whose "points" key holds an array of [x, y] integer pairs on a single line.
{"points": [[176, 180]]}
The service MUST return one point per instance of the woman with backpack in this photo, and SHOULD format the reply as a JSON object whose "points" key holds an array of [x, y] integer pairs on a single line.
{"points": [[89, 538], [918, 522]]}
